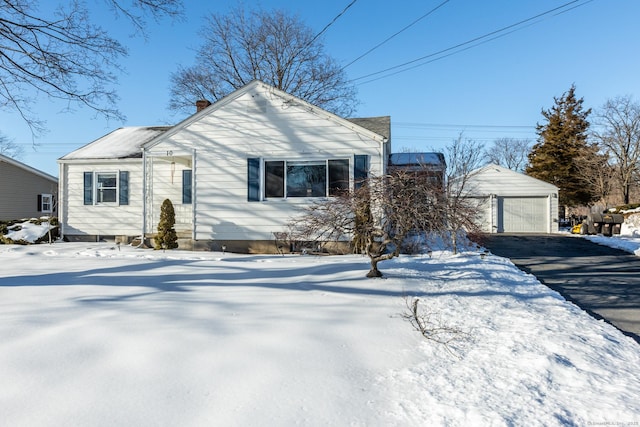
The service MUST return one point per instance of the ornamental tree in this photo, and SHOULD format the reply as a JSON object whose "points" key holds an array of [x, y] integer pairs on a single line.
{"points": [[167, 237]]}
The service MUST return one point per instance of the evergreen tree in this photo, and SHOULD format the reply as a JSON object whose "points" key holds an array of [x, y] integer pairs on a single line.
{"points": [[167, 237], [562, 142]]}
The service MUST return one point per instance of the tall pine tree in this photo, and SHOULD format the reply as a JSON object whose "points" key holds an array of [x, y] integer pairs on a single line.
{"points": [[561, 142]]}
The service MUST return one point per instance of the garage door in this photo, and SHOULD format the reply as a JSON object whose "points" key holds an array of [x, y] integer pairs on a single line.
{"points": [[523, 215]]}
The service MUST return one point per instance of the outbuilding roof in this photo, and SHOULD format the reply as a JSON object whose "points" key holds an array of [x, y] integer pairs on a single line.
{"points": [[122, 143]]}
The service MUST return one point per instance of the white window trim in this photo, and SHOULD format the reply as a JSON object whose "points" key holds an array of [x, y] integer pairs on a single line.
{"points": [[263, 196], [49, 197], [95, 188]]}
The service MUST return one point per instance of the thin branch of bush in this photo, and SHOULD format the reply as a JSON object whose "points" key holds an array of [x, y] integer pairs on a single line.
{"points": [[433, 330]]}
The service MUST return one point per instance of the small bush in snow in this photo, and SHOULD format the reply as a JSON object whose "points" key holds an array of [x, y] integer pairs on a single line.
{"points": [[167, 237]]}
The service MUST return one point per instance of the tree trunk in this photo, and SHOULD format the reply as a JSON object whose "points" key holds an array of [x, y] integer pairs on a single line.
{"points": [[627, 189], [374, 272]]}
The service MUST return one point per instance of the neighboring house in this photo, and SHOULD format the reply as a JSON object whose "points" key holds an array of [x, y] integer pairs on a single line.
{"points": [[236, 171], [513, 202], [25, 192]]}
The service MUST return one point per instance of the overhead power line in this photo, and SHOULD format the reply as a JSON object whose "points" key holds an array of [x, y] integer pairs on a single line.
{"points": [[332, 22], [477, 40], [451, 125], [399, 32]]}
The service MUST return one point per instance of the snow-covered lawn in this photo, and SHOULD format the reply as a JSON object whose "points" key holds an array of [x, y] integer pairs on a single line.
{"points": [[96, 335]]}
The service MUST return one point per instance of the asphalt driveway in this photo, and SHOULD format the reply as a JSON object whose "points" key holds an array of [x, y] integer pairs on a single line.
{"points": [[601, 280]]}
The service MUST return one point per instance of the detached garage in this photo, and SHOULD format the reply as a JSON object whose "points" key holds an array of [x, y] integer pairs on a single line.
{"points": [[513, 202]]}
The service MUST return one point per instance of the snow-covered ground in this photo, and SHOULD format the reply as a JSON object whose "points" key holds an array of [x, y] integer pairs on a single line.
{"points": [[628, 240], [92, 334]]}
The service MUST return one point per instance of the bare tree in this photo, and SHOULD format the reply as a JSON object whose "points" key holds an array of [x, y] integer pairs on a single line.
{"points": [[510, 153], [376, 217], [271, 46], [595, 168], [10, 149], [461, 206], [64, 55], [619, 134]]}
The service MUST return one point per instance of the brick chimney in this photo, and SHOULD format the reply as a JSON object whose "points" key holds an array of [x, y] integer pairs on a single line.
{"points": [[201, 104]]}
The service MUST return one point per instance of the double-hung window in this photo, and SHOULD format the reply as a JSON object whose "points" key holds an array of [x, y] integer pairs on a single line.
{"points": [[45, 203], [106, 188]]}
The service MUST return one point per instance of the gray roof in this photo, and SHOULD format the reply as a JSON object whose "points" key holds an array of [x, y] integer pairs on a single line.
{"points": [[122, 143], [380, 125], [9, 160]]}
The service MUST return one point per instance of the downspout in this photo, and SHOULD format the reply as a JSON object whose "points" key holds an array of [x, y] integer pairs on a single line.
{"points": [[61, 221], [144, 196], [550, 221], [194, 197], [491, 212], [383, 155]]}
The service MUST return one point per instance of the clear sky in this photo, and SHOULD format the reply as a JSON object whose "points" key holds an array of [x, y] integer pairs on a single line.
{"points": [[492, 88]]}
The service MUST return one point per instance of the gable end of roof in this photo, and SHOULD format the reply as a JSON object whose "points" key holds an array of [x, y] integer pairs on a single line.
{"points": [[27, 168]]}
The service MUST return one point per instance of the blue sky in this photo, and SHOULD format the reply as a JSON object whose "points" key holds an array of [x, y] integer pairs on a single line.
{"points": [[490, 90]]}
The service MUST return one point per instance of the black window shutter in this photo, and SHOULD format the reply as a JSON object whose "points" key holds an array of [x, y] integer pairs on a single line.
{"points": [[88, 188], [186, 187], [39, 202], [253, 179], [360, 169], [124, 187]]}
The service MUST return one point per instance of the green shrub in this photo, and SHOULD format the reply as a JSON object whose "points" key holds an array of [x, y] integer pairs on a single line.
{"points": [[166, 237]]}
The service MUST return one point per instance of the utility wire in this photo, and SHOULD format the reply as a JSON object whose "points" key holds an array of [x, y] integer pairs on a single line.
{"points": [[393, 35], [437, 58], [468, 42], [310, 42], [331, 23], [453, 125]]}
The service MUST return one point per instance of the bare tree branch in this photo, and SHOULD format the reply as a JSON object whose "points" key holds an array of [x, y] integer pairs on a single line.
{"points": [[432, 329], [271, 46], [10, 149], [376, 217], [510, 153], [594, 168], [619, 119], [461, 208], [64, 56]]}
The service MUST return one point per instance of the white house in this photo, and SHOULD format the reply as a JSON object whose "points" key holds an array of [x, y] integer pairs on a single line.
{"points": [[513, 202], [236, 171]]}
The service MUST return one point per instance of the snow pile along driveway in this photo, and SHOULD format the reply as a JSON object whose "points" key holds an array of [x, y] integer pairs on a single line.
{"points": [[94, 335]]}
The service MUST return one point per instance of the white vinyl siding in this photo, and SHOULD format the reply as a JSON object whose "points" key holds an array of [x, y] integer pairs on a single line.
{"points": [[106, 219], [225, 138], [166, 174], [19, 190], [514, 202]]}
